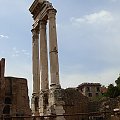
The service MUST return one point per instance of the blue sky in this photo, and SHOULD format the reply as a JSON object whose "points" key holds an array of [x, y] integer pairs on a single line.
{"points": [[88, 40]]}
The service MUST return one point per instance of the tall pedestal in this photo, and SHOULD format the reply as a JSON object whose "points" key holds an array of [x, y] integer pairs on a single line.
{"points": [[43, 102], [56, 104]]}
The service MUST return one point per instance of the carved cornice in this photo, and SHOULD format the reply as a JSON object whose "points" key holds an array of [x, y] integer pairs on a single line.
{"points": [[40, 8], [35, 7], [35, 3]]}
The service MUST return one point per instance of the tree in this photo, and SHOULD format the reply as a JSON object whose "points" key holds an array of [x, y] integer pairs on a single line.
{"points": [[110, 91], [114, 91], [118, 82]]}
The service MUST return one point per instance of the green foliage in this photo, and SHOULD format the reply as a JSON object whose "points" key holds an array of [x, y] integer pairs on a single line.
{"points": [[118, 82], [114, 91]]}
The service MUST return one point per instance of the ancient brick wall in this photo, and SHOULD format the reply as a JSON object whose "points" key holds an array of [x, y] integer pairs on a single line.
{"points": [[2, 83], [16, 101], [75, 103]]}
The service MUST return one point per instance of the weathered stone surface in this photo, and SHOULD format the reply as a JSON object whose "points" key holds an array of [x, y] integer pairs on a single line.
{"points": [[16, 97], [35, 61], [91, 90], [2, 67], [67, 101], [75, 103], [43, 13], [2, 84], [43, 57]]}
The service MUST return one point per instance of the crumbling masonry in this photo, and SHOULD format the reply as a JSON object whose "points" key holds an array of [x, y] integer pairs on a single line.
{"points": [[14, 99]]}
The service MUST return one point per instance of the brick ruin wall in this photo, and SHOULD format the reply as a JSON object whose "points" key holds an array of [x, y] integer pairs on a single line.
{"points": [[14, 100], [74, 103]]}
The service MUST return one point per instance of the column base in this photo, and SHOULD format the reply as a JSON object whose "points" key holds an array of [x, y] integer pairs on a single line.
{"points": [[34, 104], [56, 103], [43, 102]]}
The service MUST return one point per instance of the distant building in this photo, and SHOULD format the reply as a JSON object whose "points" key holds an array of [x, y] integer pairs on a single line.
{"points": [[91, 90]]}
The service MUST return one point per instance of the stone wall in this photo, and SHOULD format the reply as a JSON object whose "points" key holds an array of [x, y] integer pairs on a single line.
{"points": [[107, 107], [2, 84], [111, 105], [15, 101], [73, 102]]}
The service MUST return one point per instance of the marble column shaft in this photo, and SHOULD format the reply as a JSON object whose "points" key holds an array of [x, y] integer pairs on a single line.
{"points": [[35, 59], [54, 65], [43, 57]]}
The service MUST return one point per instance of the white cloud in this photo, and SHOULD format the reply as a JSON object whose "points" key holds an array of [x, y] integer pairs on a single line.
{"points": [[114, 0], [3, 36], [102, 16], [17, 53], [105, 78]]}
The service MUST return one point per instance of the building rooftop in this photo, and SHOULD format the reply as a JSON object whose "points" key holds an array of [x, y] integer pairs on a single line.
{"points": [[89, 84]]}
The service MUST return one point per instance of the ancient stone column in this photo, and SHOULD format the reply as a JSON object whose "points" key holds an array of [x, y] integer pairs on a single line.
{"points": [[35, 59], [43, 57], [54, 65]]}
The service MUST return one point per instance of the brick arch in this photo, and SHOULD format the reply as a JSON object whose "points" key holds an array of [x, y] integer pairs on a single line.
{"points": [[6, 109]]}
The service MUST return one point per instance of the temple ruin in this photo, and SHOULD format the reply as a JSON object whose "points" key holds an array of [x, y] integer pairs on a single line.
{"points": [[51, 100], [43, 13]]}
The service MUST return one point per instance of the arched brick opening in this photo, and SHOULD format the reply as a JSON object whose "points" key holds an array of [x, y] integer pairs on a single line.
{"points": [[6, 109]]}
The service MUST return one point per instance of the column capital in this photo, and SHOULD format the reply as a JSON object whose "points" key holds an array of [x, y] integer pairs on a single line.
{"points": [[35, 34], [35, 31], [52, 13], [43, 24]]}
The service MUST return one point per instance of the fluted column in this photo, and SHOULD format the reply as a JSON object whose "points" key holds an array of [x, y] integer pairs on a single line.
{"points": [[35, 59], [54, 65], [43, 57]]}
